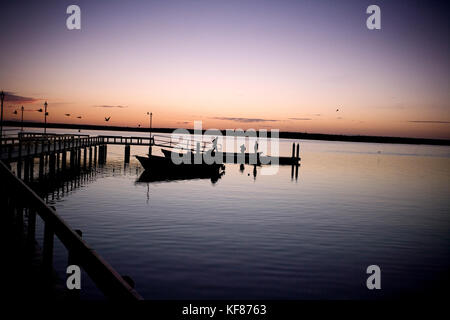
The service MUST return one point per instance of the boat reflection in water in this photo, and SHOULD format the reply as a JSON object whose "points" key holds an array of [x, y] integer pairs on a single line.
{"points": [[149, 176]]}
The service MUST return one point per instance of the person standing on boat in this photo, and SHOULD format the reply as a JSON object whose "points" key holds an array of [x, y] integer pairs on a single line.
{"points": [[256, 147], [214, 147]]}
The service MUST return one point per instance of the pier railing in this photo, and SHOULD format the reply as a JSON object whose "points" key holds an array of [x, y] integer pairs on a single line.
{"points": [[16, 197]]}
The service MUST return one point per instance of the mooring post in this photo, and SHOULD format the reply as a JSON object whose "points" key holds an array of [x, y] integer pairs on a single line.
{"points": [[57, 161], [90, 157], [63, 160], [293, 150], [79, 158], [31, 165], [41, 165], [127, 153], [71, 159], [95, 156], [84, 157], [19, 160], [298, 151]]}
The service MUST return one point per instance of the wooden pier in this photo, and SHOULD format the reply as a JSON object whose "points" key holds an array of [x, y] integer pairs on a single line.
{"points": [[62, 156]]}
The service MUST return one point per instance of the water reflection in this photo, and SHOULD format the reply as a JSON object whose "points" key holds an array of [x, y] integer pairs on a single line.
{"points": [[167, 176]]}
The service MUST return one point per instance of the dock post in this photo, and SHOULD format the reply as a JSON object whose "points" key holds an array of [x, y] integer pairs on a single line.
{"points": [[298, 151], [71, 160], [31, 165], [100, 153], [90, 157], [19, 161], [84, 157], [41, 165], [63, 160], [95, 156], [127, 153], [293, 150], [57, 161], [78, 158]]}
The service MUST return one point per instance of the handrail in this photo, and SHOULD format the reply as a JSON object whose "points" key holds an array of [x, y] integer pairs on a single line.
{"points": [[105, 277]]}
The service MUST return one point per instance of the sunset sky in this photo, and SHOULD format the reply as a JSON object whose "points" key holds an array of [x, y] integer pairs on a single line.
{"points": [[232, 64]]}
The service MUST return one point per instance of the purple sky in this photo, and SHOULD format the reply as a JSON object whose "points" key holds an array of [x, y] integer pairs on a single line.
{"points": [[273, 64]]}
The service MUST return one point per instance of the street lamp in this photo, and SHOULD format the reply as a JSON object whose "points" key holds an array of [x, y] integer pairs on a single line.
{"points": [[2, 97], [150, 145], [45, 118]]}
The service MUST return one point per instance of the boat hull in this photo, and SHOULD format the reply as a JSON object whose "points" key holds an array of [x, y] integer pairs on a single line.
{"points": [[153, 163]]}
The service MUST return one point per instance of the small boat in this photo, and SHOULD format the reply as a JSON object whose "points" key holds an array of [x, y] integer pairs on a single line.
{"points": [[154, 162]]}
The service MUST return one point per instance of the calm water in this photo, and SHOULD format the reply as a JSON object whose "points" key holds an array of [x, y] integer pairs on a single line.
{"points": [[272, 236]]}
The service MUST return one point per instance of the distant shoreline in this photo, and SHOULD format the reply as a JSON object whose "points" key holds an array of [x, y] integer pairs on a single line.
{"points": [[283, 135]]}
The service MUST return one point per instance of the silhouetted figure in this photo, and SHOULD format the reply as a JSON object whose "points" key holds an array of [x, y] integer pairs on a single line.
{"points": [[241, 167], [214, 147], [256, 147], [254, 172]]}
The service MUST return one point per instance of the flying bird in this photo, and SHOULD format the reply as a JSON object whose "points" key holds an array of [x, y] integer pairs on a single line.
{"points": [[15, 112], [67, 114], [79, 117], [39, 110], [107, 119], [337, 110]]}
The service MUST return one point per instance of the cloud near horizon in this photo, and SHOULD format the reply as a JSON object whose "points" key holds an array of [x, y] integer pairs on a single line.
{"points": [[11, 97], [108, 106], [429, 121], [245, 120], [300, 119]]}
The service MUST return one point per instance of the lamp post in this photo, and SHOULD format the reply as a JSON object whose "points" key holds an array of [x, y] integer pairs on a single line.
{"points": [[22, 109], [150, 145], [2, 97], [45, 117]]}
